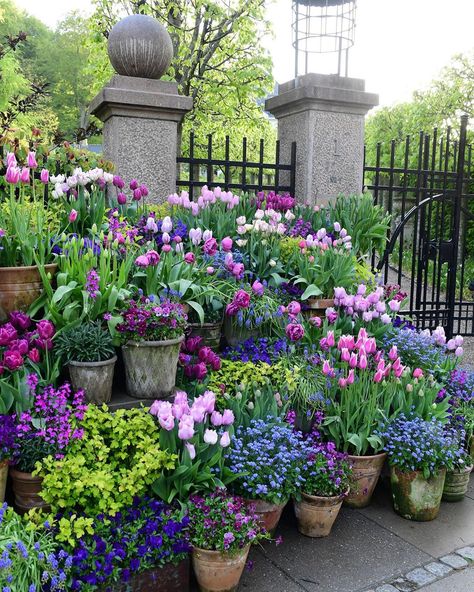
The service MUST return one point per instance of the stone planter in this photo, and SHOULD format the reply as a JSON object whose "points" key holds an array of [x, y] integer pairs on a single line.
{"points": [[219, 572], [169, 578], [414, 497], [268, 514], [470, 448], [234, 335], [316, 515], [209, 332], [95, 378], [314, 307], [150, 367], [26, 492], [456, 484], [20, 287], [365, 475], [3, 479]]}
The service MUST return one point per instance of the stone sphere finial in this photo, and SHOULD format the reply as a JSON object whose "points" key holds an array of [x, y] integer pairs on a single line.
{"points": [[140, 46]]}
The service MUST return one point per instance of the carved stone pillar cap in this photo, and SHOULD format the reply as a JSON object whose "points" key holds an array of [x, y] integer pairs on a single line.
{"points": [[140, 46]]}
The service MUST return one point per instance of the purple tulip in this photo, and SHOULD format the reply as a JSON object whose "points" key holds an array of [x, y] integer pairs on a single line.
{"points": [[7, 334], [12, 360]]}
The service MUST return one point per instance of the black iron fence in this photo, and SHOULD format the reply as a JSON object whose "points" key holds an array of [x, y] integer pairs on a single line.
{"points": [[426, 184], [236, 174]]}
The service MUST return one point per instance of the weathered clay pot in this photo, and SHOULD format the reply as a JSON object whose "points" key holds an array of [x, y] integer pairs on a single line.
{"points": [[456, 484], [95, 378], [150, 367], [471, 448], [209, 332], [20, 287], [219, 572], [3, 479], [169, 578], [234, 334], [26, 492], [316, 515], [268, 514], [414, 497], [365, 475], [314, 307]]}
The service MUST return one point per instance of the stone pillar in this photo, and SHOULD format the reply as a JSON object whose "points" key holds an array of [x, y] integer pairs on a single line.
{"points": [[141, 114], [324, 115]]}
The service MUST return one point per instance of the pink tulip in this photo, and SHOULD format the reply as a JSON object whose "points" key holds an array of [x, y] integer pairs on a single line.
{"points": [[345, 354], [342, 382], [216, 418], [417, 373], [190, 258], [167, 422], [227, 417], [330, 339], [327, 370], [209, 401], [394, 305], [363, 362], [72, 216], [198, 412], [25, 175], [31, 160], [191, 450], [316, 322], [11, 160], [210, 436], [350, 377], [353, 360], [293, 308], [459, 352], [142, 261], [226, 244], [378, 376], [166, 248], [210, 270], [186, 428], [225, 440], [12, 175], [393, 353], [44, 176]]}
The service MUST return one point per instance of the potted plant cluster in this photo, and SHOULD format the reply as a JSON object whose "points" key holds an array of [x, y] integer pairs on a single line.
{"points": [[325, 475], [222, 529], [151, 332], [89, 353], [268, 454], [419, 453]]}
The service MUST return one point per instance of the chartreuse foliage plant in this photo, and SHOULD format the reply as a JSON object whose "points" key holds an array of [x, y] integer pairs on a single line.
{"points": [[235, 374], [117, 459]]}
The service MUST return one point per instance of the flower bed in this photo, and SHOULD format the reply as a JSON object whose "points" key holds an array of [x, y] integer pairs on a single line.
{"points": [[275, 367]]}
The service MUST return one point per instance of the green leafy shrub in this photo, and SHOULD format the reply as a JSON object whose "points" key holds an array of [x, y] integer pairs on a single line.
{"points": [[117, 459]]}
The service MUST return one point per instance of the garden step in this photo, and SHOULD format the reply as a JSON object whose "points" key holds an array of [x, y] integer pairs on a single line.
{"points": [[120, 400]]}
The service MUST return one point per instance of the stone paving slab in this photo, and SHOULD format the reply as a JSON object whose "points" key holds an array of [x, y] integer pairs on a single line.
{"points": [[359, 554], [454, 527], [470, 490], [266, 577], [462, 581]]}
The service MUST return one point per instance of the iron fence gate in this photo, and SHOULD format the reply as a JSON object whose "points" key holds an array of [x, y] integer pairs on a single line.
{"points": [[426, 184]]}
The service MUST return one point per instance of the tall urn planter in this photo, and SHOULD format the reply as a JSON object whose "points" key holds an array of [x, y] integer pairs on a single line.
{"points": [[20, 287], [150, 367], [95, 378], [217, 571], [414, 496], [456, 484], [366, 471]]}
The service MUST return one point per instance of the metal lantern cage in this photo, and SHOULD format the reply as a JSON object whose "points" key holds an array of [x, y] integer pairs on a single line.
{"points": [[323, 27]]}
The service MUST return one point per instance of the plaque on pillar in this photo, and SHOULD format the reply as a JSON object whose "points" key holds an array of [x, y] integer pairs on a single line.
{"points": [[140, 112]]}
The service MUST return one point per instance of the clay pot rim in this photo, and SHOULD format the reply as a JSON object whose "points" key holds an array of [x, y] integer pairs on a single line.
{"points": [[93, 364], [378, 455], [203, 325], [249, 500], [4, 463], [143, 343], [327, 497], [28, 267], [224, 554], [22, 475]]}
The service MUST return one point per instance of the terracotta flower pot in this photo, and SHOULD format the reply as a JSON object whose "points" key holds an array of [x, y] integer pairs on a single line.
{"points": [[314, 307], [316, 514], [456, 484], [169, 578], [365, 475], [234, 334], [150, 367], [3, 479], [414, 497], [219, 572], [95, 378], [20, 287], [26, 492], [268, 514], [209, 332]]}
